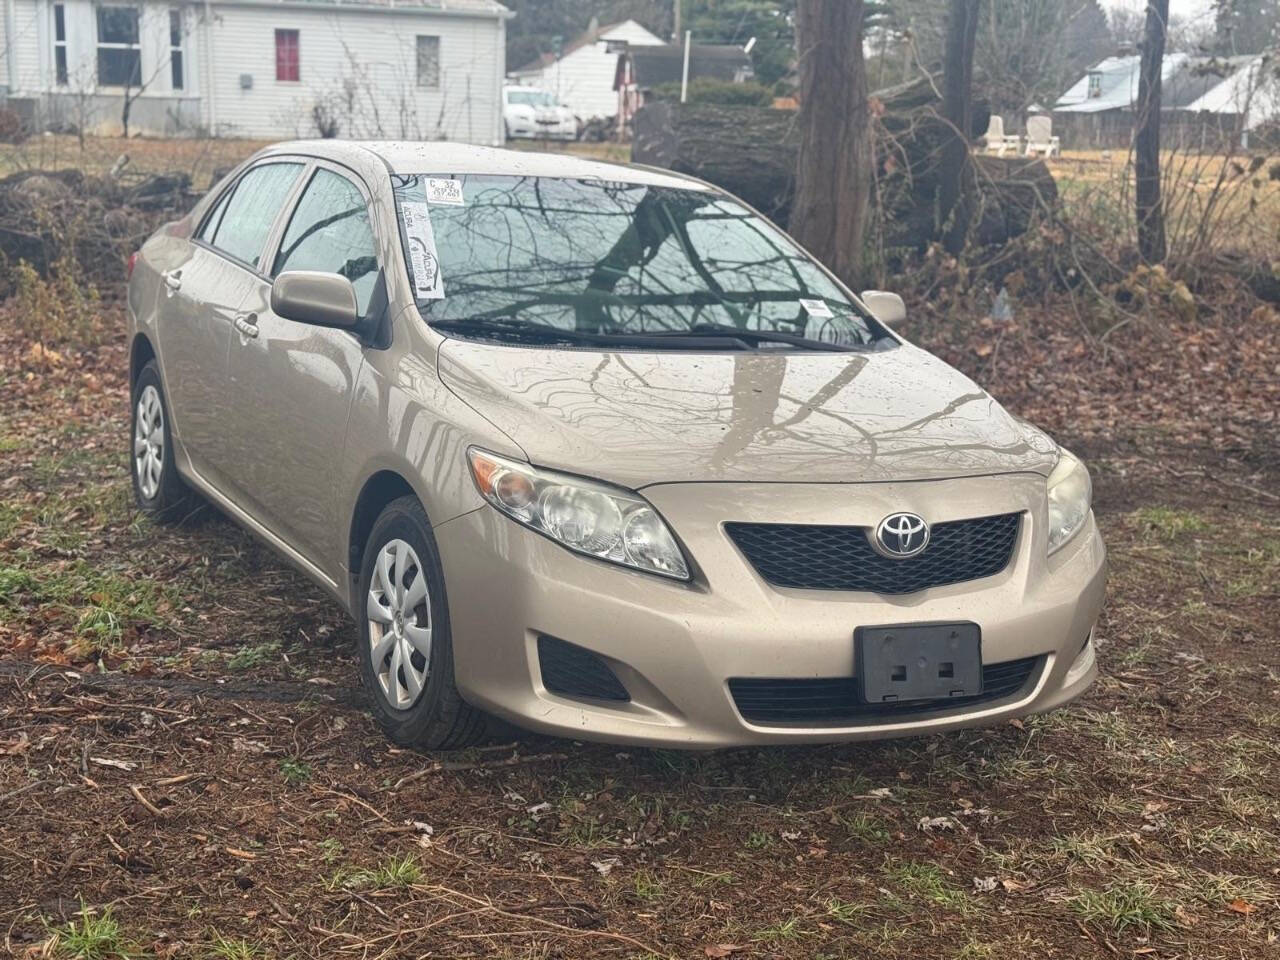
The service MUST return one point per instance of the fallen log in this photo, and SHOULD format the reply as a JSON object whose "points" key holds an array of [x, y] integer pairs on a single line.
{"points": [[751, 152]]}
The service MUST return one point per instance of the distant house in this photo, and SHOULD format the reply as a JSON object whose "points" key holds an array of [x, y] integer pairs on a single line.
{"points": [[641, 69], [270, 69], [581, 77], [1197, 97], [1246, 101]]}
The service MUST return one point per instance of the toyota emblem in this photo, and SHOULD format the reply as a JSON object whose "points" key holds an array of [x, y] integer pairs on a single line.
{"points": [[901, 535]]}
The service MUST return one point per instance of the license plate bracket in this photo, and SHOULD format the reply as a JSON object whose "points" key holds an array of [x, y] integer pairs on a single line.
{"points": [[918, 661]]}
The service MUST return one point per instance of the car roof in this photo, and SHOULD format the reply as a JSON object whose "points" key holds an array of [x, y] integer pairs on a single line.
{"points": [[440, 157]]}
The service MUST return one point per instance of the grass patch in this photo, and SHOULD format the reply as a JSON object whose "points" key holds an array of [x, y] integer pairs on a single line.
{"points": [[646, 885], [840, 911], [14, 582], [255, 655], [391, 874], [866, 828], [224, 948], [927, 882], [1125, 905], [788, 929], [93, 937], [1170, 523]]}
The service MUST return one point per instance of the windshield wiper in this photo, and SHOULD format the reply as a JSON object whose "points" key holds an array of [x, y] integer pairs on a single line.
{"points": [[516, 330], [752, 336]]}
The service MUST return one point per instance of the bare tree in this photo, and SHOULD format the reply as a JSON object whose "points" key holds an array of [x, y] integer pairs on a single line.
{"points": [[956, 184], [833, 171], [1146, 138]]}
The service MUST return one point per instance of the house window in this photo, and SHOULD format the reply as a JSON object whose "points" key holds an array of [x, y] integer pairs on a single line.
{"points": [[287, 56], [60, 43], [119, 54], [1095, 85], [428, 61], [177, 78]]}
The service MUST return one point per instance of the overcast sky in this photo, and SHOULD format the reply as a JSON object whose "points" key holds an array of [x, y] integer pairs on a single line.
{"points": [[1181, 8]]}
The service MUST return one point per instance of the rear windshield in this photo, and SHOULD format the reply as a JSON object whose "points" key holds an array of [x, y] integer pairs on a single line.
{"points": [[611, 258], [531, 98]]}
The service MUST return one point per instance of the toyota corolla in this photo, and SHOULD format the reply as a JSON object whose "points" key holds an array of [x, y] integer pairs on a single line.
{"points": [[600, 450]]}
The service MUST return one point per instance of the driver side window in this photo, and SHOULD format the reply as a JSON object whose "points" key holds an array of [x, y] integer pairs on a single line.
{"points": [[330, 231]]}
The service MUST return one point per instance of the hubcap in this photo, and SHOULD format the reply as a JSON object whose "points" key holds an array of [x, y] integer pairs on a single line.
{"points": [[148, 441], [399, 612]]}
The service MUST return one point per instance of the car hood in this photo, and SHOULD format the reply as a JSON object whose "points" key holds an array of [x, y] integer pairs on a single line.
{"points": [[637, 419]]}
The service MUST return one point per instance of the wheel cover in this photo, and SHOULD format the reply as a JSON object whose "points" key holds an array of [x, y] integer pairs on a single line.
{"points": [[399, 612], [148, 442]]}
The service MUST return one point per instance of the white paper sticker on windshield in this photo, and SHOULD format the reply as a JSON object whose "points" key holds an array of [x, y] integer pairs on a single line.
{"points": [[427, 282], [444, 191], [816, 308]]}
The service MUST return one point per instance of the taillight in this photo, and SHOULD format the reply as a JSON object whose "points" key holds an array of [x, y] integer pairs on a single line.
{"points": [[130, 264]]}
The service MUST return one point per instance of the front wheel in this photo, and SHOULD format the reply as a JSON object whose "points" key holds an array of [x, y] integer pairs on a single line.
{"points": [[406, 649], [157, 488]]}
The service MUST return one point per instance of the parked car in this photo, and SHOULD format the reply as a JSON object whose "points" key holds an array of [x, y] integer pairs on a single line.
{"points": [[600, 450], [530, 113]]}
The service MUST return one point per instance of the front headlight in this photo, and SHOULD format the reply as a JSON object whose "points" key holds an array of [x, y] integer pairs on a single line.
{"points": [[1070, 495], [587, 517]]}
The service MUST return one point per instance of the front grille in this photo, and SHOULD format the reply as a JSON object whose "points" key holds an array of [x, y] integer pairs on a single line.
{"points": [[573, 672], [815, 557], [834, 701]]}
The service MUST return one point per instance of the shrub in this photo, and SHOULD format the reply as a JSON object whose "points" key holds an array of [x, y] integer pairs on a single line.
{"points": [[707, 90], [13, 129], [59, 309]]}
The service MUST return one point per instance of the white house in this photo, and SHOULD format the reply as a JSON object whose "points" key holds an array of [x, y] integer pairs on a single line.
{"points": [[413, 69], [582, 76]]}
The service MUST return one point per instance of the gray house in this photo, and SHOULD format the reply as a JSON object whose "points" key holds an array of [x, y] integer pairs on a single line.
{"points": [[1099, 111]]}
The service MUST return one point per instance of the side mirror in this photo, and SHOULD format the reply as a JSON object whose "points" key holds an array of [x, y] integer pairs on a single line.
{"points": [[886, 307], [310, 296]]}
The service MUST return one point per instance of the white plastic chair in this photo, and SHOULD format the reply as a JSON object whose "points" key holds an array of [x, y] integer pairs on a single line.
{"points": [[1040, 137], [996, 140]]}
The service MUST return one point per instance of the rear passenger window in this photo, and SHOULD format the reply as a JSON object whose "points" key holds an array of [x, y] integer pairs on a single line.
{"points": [[330, 231], [240, 222]]}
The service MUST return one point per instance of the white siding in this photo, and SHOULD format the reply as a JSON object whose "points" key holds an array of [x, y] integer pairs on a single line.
{"points": [[362, 66], [27, 37], [81, 102], [583, 80]]}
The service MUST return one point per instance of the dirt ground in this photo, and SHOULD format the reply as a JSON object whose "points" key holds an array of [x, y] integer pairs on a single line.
{"points": [[186, 769]]}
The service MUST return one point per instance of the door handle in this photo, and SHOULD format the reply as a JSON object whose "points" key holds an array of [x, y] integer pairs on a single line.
{"points": [[173, 280], [247, 325]]}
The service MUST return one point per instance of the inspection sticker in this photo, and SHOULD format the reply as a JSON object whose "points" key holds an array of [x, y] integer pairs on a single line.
{"points": [[427, 282], [817, 308], [444, 191]]}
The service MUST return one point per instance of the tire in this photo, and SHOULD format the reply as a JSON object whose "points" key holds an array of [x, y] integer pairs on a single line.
{"points": [[415, 699], [157, 489]]}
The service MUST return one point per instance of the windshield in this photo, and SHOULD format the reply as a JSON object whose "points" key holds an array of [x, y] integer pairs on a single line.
{"points": [[603, 258], [531, 98]]}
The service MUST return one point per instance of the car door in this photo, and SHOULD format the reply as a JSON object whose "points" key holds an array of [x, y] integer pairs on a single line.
{"points": [[202, 296], [292, 382]]}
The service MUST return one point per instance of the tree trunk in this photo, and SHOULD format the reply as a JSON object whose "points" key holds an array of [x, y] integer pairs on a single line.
{"points": [[833, 169], [1146, 138], [957, 186]]}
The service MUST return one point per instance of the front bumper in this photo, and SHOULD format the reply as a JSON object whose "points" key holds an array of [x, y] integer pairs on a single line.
{"points": [[675, 646], [533, 130]]}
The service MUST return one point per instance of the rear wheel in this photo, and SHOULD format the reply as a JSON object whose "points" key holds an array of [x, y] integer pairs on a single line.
{"points": [[406, 650], [157, 488]]}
